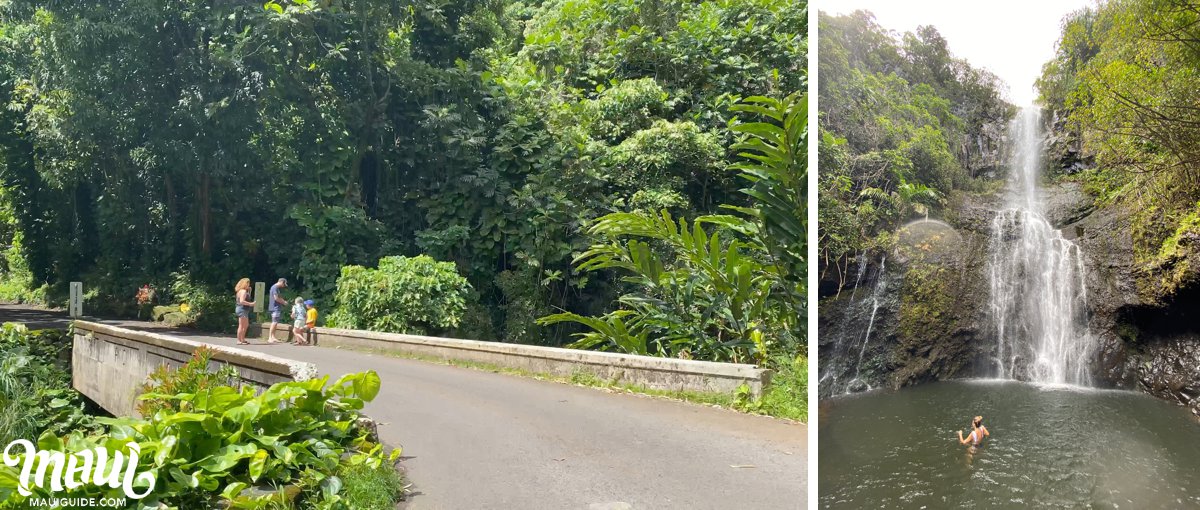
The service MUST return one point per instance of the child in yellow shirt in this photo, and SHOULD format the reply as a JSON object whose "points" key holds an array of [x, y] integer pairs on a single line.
{"points": [[310, 319]]}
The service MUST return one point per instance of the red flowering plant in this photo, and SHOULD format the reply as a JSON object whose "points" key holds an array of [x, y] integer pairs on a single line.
{"points": [[144, 298]]}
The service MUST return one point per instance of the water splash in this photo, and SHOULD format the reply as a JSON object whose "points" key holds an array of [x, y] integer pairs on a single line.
{"points": [[1038, 298]]}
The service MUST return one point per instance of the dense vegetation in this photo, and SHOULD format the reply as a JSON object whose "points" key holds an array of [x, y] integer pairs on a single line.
{"points": [[415, 295], [904, 124], [35, 385], [1123, 89], [188, 145], [295, 445]]}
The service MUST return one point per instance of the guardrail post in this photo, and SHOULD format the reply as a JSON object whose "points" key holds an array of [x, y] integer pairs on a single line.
{"points": [[259, 295], [75, 306]]}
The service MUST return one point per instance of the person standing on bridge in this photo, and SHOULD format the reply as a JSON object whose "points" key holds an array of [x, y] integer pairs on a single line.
{"points": [[298, 316], [275, 309], [310, 321], [244, 305]]}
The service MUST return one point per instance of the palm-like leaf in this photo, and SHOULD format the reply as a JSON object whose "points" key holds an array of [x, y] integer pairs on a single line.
{"points": [[908, 196], [706, 294], [775, 164]]}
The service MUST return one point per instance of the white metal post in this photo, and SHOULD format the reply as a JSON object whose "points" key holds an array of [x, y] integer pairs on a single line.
{"points": [[259, 294], [75, 307]]}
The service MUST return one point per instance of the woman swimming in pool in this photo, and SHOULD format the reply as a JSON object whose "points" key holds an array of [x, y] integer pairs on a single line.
{"points": [[978, 432]]}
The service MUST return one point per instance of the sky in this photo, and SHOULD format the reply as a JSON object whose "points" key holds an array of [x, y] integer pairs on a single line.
{"points": [[1011, 39]]}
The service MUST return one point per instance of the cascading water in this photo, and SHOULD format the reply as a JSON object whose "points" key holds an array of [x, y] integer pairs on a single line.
{"points": [[870, 324], [841, 369], [1038, 297], [862, 270]]}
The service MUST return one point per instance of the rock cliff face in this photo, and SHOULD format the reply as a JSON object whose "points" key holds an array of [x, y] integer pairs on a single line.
{"points": [[924, 304], [930, 319], [1064, 148], [1149, 341], [982, 154]]}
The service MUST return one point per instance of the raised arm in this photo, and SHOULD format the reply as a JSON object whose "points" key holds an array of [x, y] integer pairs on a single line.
{"points": [[960, 438]]}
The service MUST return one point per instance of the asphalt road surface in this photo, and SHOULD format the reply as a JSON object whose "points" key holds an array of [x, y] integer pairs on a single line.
{"points": [[474, 439]]}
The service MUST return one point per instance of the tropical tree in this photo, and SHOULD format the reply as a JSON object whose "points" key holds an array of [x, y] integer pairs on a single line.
{"points": [[696, 294], [774, 162], [726, 287]]}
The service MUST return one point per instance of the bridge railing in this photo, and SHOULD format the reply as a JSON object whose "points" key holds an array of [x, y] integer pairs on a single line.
{"points": [[109, 364], [667, 374]]}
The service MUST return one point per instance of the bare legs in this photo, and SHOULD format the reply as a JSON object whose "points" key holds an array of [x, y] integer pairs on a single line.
{"points": [[243, 326], [271, 335]]}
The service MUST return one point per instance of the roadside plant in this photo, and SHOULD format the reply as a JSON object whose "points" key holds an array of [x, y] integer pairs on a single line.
{"points": [[194, 376], [294, 434], [206, 308], [695, 294], [35, 385], [417, 295]]}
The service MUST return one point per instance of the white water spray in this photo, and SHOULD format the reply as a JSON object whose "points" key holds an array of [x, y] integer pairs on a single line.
{"points": [[1038, 297]]}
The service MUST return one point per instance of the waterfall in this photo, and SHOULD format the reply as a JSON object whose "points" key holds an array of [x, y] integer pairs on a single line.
{"points": [[1038, 300], [862, 269], [870, 325]]}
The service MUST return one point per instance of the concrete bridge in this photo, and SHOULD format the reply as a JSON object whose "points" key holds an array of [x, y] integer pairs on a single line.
{"points": [[477, 439]]}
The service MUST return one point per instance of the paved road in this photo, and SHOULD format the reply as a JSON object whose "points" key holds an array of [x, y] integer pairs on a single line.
{"points": [[474, 439]]}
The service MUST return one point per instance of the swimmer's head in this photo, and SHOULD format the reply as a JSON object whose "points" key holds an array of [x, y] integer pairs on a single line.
{"points": [[978, 421]]}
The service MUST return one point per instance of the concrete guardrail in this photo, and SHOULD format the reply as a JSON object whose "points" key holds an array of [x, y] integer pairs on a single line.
{"points": [[109, 364], [647, 371]]}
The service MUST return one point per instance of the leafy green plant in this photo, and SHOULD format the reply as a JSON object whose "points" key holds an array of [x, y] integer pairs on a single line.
{"points": [[774, 162], [16, 281], [703, 300], [207, 308], [403, 295], [227, 440], [736, 294], [787, 394], [35, 385], [194, 376], [906, 198], [371, 487]]}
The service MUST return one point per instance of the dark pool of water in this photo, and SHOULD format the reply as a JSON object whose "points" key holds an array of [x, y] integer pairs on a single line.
{"points": [[1049, 448]]}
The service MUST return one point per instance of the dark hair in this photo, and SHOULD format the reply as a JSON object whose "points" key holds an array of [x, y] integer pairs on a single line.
{"points": [[979, 422]]}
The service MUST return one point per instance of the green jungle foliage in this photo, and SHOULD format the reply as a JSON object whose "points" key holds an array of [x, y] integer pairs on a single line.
{"points": [[787, 395], [35, 385], [730, 288], [187, 145], [297, 439], [404, 295], [195, 376], [1123, 88], [902, 122]]}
